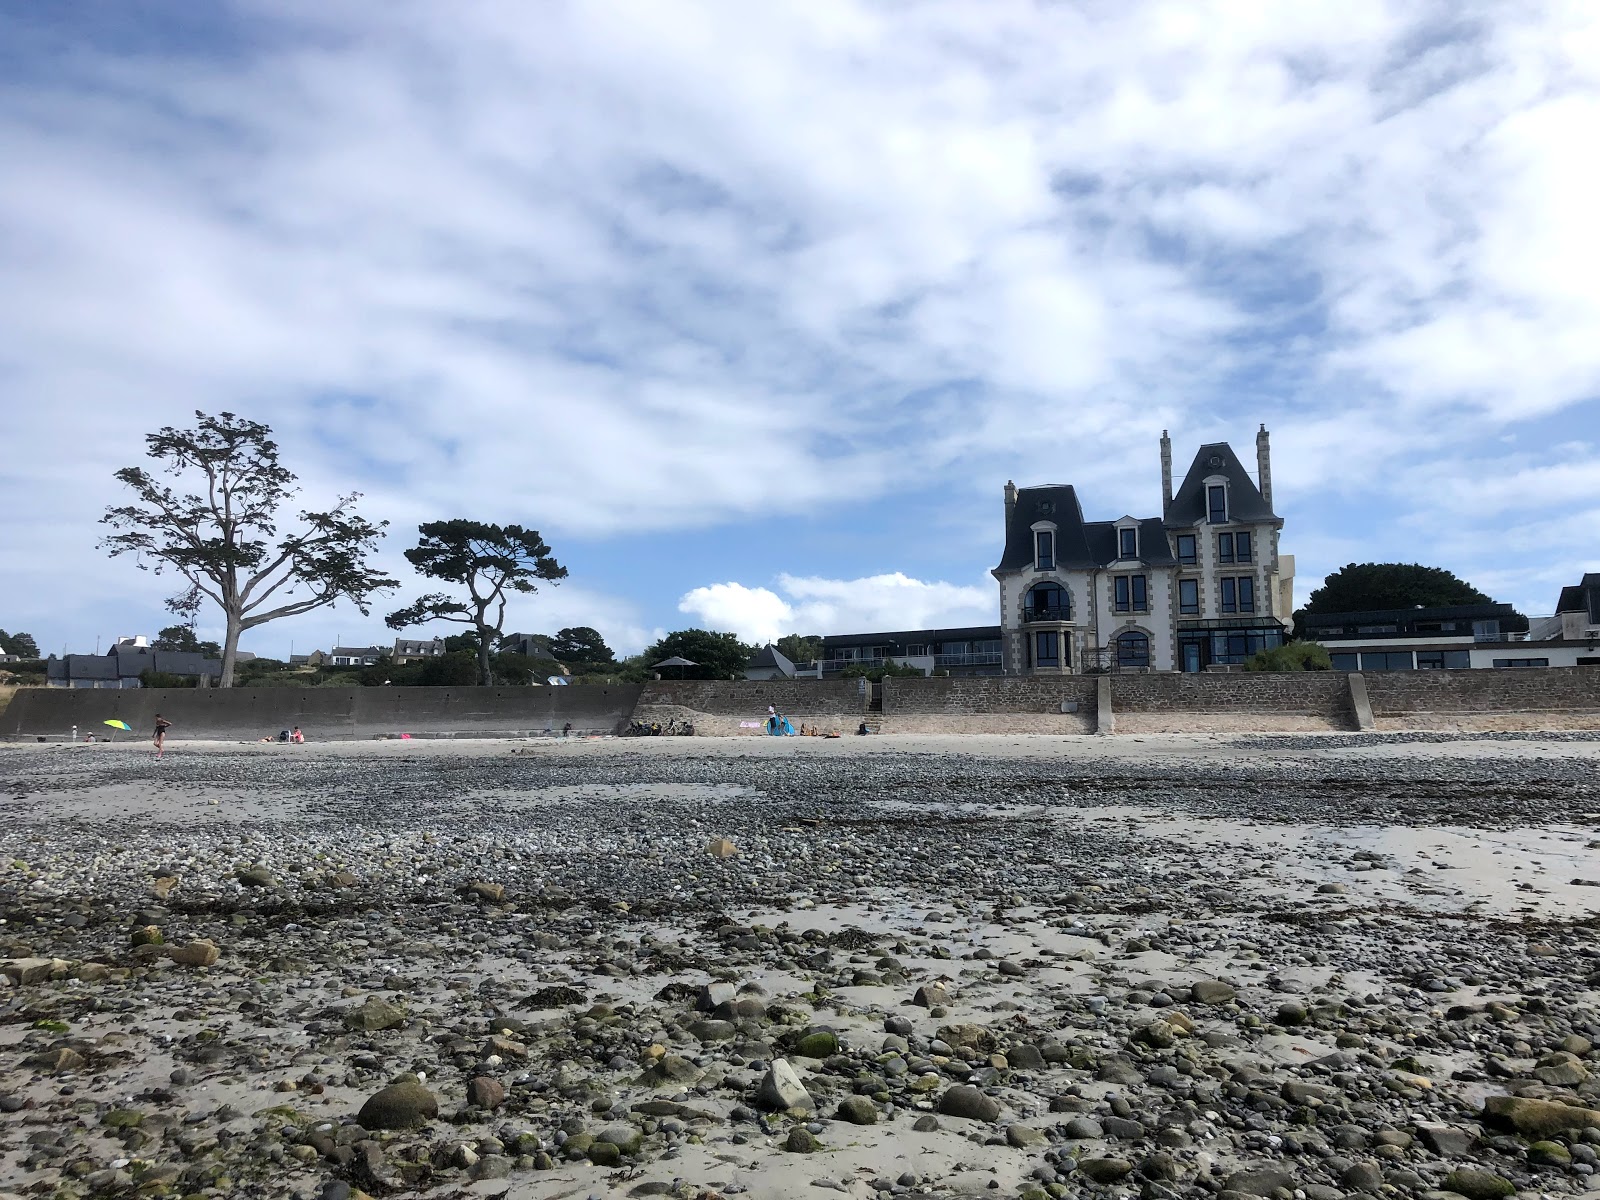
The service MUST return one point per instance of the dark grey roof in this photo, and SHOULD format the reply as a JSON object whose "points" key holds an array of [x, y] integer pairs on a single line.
{"points": [[133, 661], [1104, 544], [770, 656], [1080, 544], [356, 650], [1386, 616], [1245, 502], [1572, 599], [90, 666]]}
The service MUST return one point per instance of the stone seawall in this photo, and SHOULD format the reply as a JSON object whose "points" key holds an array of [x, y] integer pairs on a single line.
{"points": [[1292, 702], [724, 708], [989, 704], [1502, 698]]}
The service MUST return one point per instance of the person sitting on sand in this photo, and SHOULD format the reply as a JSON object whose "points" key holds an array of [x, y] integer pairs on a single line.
{"points": [[862, 730], [295, 736]]}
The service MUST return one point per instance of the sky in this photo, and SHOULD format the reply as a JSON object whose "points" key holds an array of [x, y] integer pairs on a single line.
{"points": [[752, 309]]}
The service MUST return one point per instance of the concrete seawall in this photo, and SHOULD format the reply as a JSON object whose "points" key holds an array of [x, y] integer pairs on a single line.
{"points": [[325, 714]]}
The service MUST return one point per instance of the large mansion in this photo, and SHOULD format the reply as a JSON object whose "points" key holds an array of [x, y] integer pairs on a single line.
{"points": [[1203, 584]]}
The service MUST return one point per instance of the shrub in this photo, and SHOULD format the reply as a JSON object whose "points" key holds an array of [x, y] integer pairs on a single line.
{"points": [[1294, 656], [162, 679]]}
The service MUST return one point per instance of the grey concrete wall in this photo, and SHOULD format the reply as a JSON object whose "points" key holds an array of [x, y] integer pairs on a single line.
{"points": [[325, 714]]}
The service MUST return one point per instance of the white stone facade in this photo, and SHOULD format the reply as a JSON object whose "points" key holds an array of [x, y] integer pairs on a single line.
{"points": [[1203, 586]]}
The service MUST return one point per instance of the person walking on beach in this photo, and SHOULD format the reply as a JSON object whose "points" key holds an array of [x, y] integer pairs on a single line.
{"points": [[162, 725]]}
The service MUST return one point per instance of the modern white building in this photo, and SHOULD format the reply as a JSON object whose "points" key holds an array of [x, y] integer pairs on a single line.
{"points": [[1202, 586]]}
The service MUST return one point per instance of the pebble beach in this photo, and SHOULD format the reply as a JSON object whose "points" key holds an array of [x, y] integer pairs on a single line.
{"points": [[1306, 967]]}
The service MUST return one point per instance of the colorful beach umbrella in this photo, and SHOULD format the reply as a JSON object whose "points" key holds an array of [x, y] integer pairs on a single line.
{"points": [[119, 725]]}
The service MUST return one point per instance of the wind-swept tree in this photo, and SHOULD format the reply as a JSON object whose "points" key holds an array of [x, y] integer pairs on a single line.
{"points": [[223, 536], [488, 561], [581, 645]]}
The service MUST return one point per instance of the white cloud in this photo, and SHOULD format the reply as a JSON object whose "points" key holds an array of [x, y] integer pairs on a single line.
{"points": [[811, 605], [655, 267]]}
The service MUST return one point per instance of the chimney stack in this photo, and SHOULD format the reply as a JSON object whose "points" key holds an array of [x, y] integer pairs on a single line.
{"points": [[1264, 465], [1011, 501], [1166, 473]]}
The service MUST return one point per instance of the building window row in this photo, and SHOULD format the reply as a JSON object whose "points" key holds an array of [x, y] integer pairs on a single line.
{"points": [[1048, 647], [1130, 593], [1048, 602], [1189, 597], [1133, 649], [1233, 547], [1044, 550], [1238, 594], [1186, 549], [1522, 662]]}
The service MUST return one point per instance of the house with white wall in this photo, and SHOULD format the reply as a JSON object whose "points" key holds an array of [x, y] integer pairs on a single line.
{"points": [[1202, 586]]}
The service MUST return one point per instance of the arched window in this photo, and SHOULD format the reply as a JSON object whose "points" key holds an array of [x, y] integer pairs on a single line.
{"points": [[1048, 602], [1133, 649]]}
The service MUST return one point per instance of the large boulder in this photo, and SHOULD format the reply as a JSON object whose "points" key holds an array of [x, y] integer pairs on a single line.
{"points": [[970, 1103], [1478, 1185], [781, 1088], [1260, 1181], [374, 1015], [1537, 1119], [399, 1106], [484, 1092], [1211, 991], [199, 953]]}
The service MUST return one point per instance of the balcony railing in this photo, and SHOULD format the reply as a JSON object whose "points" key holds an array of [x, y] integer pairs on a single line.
{"points": [[839, 664], [987, 659], [1049, 612]]}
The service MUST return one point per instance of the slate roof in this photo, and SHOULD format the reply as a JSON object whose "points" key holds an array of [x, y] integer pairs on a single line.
{"points": [[355, 651], [416, 645], [132, 661], [770, 656], [1245, 502], [1080, 544], [1572, 599]]}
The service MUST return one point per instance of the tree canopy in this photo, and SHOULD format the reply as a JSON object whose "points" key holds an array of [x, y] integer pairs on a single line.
{"points": [[581, 645], [799, 649], [1365, 587], [222, 536], [715, 655], [488, 561], [182, 637], [20, 644]]}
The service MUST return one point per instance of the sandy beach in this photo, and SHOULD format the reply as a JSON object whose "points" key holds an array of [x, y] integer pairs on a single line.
{"points": [[1309, 966]]}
